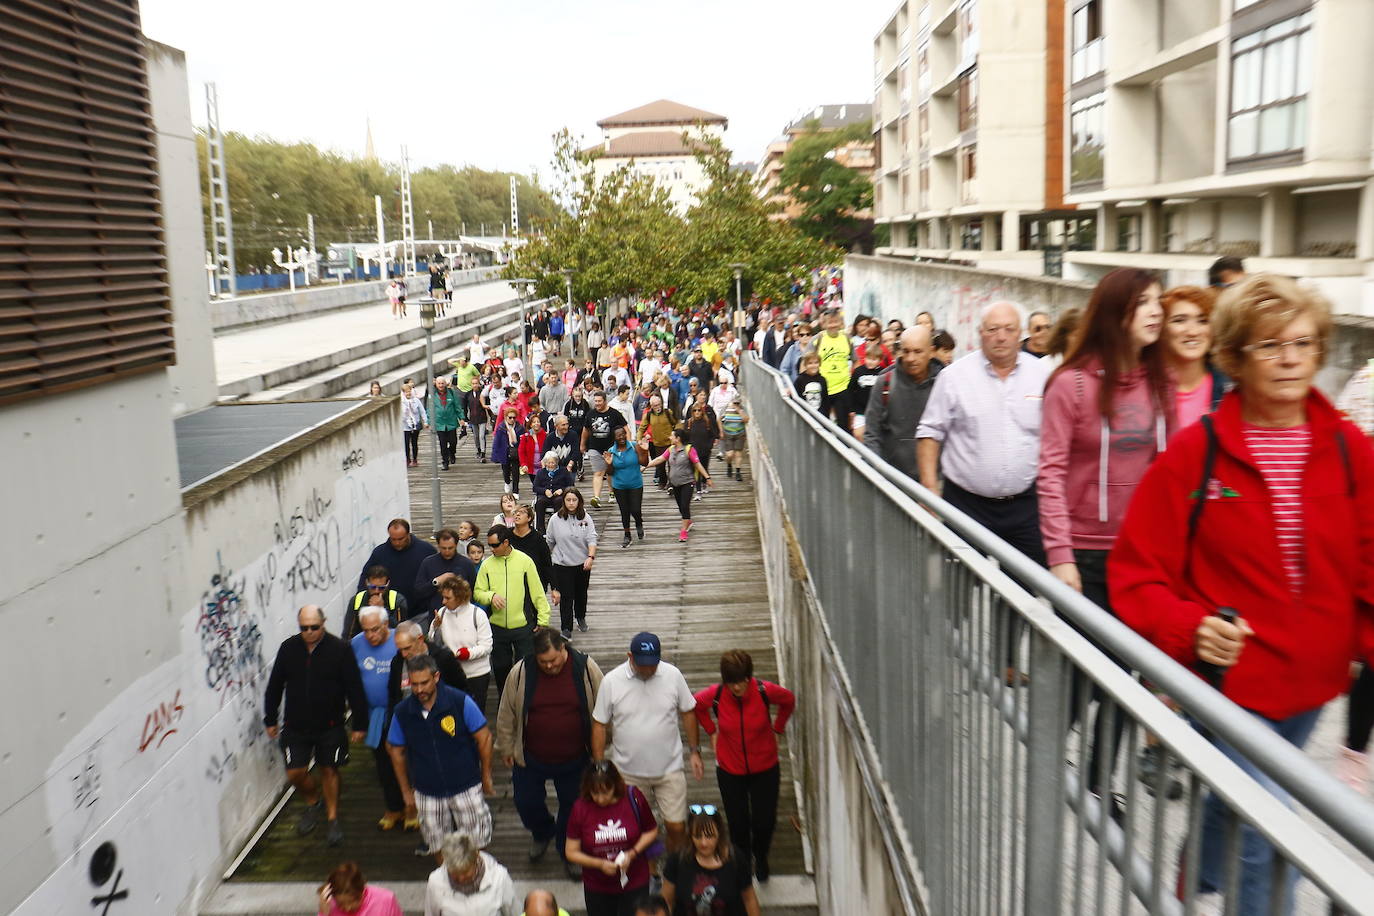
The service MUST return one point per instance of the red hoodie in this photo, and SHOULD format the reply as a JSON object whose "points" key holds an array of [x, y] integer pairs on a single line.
{"points": [[747, 743], [1300, 654], [1084, 487]]}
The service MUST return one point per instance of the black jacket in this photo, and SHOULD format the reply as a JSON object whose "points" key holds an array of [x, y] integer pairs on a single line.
{"points": [[431, 568], [536, 548], [450, 672], [402, 565], [316, 685]]}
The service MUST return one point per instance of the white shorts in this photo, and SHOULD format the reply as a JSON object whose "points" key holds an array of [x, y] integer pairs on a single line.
{"points": [[467, 811], [666, 793]]}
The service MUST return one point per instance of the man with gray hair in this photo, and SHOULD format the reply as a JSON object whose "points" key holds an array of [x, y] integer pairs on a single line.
{"points": [[440, 747], [376, 653], [1038, 325], [318, 673], [469, 881], [981, 431]]}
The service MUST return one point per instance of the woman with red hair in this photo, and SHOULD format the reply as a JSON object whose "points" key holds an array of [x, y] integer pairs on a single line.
{"points": [[1198, 385], [345, 893]]}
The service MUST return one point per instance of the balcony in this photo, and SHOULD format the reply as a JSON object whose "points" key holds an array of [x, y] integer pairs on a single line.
{"points": [[1182, 56]]}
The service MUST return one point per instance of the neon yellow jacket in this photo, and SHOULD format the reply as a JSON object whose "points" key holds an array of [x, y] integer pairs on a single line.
{"points": [[512, 577]]}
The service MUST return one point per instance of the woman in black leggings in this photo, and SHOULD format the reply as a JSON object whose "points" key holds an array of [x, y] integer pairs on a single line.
{"points": [[683, 465]]}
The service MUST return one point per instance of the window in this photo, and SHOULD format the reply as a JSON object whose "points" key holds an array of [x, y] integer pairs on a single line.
{"points": [[903, 135], [968, 100], [1085, 128], [971, 235], [967, 30], [904, 82], [923, 183], [923, 71], [968, 174], [1270, 73], [923, 127], [1087, 41], [904, 189]]}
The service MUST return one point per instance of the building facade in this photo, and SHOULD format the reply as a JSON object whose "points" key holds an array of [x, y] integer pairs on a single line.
{"points": [[966, 129], [856, 154], [657, 140], [1225, 127]]}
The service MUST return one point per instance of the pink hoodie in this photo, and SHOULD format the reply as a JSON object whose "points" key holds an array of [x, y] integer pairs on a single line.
{"points": [[1085, 482]]}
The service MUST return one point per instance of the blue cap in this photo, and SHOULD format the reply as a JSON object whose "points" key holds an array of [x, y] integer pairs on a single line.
{"points": [[645, 649]]}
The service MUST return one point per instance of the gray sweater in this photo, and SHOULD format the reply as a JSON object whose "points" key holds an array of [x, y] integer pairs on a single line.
{"points": [[895, 405], [570, 539]]}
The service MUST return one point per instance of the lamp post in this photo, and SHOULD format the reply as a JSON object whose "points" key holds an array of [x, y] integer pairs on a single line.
{"points": [[567, 273], [739, 300], [524, 289], [427, 312]]}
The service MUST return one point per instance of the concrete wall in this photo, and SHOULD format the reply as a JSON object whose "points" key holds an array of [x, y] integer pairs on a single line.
{"points": [[268, 308], [141, 720], [847, 824], [193, 376]]}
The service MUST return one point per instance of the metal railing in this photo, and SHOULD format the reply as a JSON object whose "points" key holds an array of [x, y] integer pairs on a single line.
{"points": [[936, 620]]}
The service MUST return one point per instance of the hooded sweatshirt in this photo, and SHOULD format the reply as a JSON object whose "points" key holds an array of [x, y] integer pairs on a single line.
{"points": [[1089, 464]]}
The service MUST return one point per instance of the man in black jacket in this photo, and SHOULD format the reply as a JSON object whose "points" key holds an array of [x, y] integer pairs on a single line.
{"points": [[401, 553], [448, 560], [318, 672]]}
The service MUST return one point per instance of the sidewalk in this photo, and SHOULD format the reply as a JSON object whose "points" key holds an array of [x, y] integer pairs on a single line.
{"points": [[257, 351]]}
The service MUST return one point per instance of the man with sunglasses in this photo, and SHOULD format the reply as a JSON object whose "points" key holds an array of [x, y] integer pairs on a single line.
{"points": [[376, 593], [1037, 343], [318, 673]]}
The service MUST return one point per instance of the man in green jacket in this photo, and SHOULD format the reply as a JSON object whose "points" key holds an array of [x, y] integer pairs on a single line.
{"points": [[508, 583], [446, 413]]}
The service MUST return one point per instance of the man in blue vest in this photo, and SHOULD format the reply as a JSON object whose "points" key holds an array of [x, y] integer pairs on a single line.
{"points": [[440, 747]]}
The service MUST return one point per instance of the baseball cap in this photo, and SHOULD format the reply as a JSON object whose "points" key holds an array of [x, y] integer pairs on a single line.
{"points": [[645, 649]]}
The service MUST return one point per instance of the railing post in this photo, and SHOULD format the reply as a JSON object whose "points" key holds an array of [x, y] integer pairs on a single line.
{"points": [[1045, 779]]}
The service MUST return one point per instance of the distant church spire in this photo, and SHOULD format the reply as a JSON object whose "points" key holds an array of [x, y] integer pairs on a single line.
{"points": [[369, 151]]}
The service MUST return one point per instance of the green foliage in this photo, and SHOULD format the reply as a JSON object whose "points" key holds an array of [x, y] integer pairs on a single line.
{"points": [[828, 192], [622, 235], [273, 185]]}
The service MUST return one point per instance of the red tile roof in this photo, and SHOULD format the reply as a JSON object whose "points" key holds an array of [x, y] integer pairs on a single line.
{"points": [[661, 112]]}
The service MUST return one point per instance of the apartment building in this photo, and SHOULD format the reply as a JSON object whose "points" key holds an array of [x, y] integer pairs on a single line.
{"points": [[659, 140], [968, 132], [856, 154], [1200, 128]]}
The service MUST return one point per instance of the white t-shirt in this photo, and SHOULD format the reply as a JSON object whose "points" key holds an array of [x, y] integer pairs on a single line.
{"points": [[643, 716], [514, 365], [721, 396], [648, 368], [477, 353]]}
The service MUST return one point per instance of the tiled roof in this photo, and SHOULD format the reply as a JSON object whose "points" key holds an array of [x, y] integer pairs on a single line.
{"points": [[661, 112], [646, 143]]}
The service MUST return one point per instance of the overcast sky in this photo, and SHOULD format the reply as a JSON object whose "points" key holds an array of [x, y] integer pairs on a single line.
{"points": [[489, 83]]}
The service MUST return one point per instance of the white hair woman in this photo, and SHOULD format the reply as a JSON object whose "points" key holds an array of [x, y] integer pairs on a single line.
{"points": [[469, 882]]}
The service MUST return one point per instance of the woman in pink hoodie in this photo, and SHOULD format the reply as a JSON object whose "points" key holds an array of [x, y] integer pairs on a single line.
{"points": [[1107, 413]]}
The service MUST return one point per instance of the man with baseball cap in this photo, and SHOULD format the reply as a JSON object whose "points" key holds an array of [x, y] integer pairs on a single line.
{"points": [[637, 701]]}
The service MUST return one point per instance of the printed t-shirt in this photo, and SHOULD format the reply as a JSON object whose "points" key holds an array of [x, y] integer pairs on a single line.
{"points": [[606, 832], [702, 891], [834, 353], [374, 664], [601, 428]]}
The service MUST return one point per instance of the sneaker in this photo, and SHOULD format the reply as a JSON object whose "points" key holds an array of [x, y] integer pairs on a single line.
{"points": [[506, 487], [567, 634], [696, 498], [422, 851], [625, 543], [539, 847], [335, 835], [581, 628], [596, 502], [1352, 768], [310, 818], [639, 530], [682, 536]]}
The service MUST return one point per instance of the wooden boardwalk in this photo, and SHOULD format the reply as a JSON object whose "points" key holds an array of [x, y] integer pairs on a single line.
{"points": [[700, 598]]}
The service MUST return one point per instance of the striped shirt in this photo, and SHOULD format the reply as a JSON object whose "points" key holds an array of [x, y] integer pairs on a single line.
{"points": [[1281, 456]]}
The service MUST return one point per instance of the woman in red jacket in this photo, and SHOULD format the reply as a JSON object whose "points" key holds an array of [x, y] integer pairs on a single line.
{"points": [[746, 749], [1264, 507], [531, 451]]}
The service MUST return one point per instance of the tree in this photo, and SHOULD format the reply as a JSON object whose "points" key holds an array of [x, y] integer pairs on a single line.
{"points": [[829, 193]]}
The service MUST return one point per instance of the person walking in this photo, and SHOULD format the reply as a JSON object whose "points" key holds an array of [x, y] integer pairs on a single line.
{"points": [[610, 832], [701, 435], [836, 354], [898, 399], [733, 421], [375, 652], [543, 733], [449, 559], [598, 436], [640, 703], [625, 461], [447, 416], [683, 465], [713, 875], [440, 747], [464, 630], [738, 715], [524, 538], [400, 555], [468, 881], [595, 341], [572, 541], [508, 583], [1264, 507], [345, 893], [530, 450], [1187, 339], [505, 449], [413, 419], [318, 674], [656, 428]]}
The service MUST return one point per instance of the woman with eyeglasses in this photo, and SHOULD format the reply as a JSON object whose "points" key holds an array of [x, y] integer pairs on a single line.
{"points": [[610, 830], [1265, 507], [711, 877]]}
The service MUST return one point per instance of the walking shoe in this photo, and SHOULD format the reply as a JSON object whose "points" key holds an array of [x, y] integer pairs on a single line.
{"points": [[596, 502], [507, 487], [682, 536], [390, 821], [310, 818], [639, 530], [463, 432], [696, 497], [335, 835], [422, 851], [626, 542], [567, 634], [761, 869], [538, 848], [1352, 768], [582, 626]]}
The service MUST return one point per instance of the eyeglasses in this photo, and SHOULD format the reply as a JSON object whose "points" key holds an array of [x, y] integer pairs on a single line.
{"points": [[708, 810], [311, 627], [1270, 349]]}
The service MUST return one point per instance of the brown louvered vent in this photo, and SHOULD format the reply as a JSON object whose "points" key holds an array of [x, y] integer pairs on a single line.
{"points": [[83, 274]]}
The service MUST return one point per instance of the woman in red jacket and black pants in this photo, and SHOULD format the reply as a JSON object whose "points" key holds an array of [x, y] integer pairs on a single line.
{"points": [[746, 748], [1267, 507]]}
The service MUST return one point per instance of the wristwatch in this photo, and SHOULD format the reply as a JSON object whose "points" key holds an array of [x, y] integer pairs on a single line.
{"points": [[695, 748]]}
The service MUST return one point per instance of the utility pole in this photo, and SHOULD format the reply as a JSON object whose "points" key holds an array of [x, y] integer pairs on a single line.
{"points": [[381, 237], [407, 216], [514, 209], [221, 220], [314, 255]]}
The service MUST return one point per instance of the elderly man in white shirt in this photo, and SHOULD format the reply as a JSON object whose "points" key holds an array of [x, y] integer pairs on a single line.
{"points": [[637, 701], [981, 430], [469, 883]]}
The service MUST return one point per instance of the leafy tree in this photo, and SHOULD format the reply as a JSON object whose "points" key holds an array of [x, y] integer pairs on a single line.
{"points": [[829, 193]]}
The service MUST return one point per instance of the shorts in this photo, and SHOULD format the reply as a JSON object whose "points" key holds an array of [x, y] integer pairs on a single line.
{"points": [[733, 443], [667, 793], [594, 460], [467, 811], [329, 747]]}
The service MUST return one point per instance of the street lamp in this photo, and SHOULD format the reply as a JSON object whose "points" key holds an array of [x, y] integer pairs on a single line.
{"points": [[739, 301], [567, 273], [428, 305], [524, 288]]}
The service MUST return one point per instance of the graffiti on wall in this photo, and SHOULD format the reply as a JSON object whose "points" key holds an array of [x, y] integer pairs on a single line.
{"points": [[161, 723], [230, 637]]}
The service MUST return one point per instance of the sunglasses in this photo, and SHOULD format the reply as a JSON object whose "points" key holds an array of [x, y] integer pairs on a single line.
{"points": [[601, 766], [708, 810], [375, 588], [311, 627]]}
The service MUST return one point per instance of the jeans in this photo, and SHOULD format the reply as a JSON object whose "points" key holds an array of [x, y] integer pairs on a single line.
{"points": [[508, 646], [631, 502], [528, 781], [1256, 855], [751, 809], [572, 583], [412, 442]]}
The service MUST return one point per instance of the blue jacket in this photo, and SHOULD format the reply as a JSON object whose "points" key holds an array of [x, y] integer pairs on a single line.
{"points": [[556, 325], [626, 473], [501, 446], [790, 359], [440, 749]]}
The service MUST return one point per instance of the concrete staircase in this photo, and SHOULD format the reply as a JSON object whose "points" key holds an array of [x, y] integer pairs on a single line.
{"points": [[388, 359]]}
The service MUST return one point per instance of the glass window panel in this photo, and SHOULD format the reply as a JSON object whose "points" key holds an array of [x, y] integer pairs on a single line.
{"points": [[1276, 129], [1242, 135], [1287, 52], [1303, 66], [1299, 135], [1248, 41], [1080, 27], [1269, 78], [1245, 81]]}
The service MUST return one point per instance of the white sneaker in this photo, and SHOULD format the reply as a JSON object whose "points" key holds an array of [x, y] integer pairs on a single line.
{"points": [[507, 488], [1352, 768]]}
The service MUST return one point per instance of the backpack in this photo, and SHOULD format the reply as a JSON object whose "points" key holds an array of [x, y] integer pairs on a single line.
{"points": [[720, 689], [657, 847]]}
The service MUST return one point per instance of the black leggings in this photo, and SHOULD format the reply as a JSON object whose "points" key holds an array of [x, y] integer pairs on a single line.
{"points": [[510, 473], [572, 583], [1360, 713], [683, 495], [631, 503], [705, 455], [412, 437]]}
